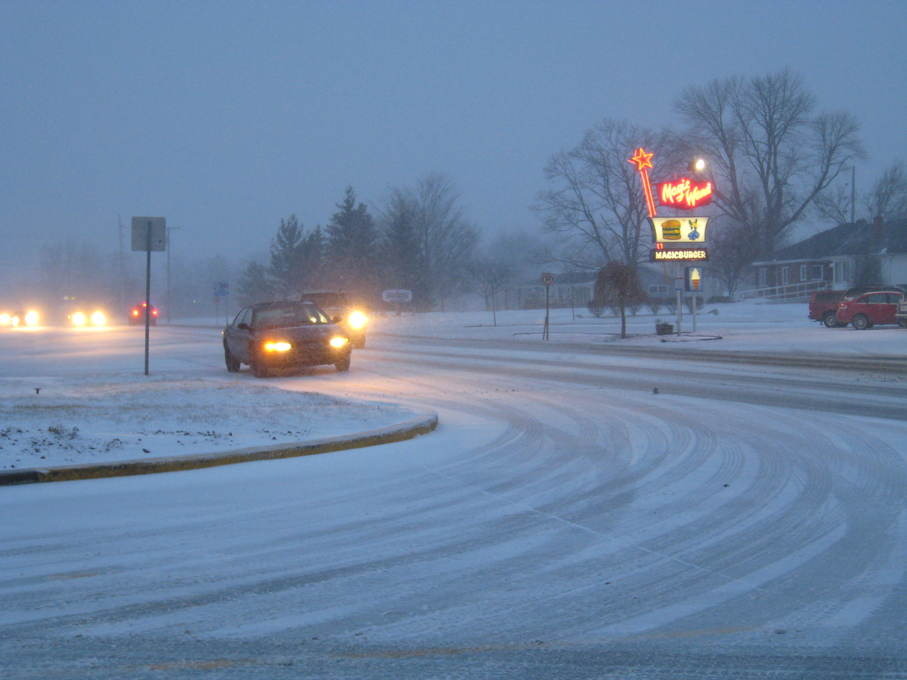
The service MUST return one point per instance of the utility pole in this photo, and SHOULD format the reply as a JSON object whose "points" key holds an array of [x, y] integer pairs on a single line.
{"points": [[853, 192]]}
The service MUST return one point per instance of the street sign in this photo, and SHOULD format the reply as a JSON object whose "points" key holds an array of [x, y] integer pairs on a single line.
{"points": [[547, 279], [140, 228], [397, 295]]}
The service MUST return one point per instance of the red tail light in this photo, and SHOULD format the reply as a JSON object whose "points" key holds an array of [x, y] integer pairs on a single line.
{"points": [[153, 312]]}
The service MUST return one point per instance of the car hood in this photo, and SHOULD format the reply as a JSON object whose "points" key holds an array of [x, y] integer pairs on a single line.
{"points": [[307, 333]]}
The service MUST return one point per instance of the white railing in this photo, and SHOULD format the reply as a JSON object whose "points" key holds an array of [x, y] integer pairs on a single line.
{"points": [[790, 291]]}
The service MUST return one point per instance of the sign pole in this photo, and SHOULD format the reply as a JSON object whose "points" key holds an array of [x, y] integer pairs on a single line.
{"points": [[545, 329], [148, 233], [693, 303], [147, 291]]}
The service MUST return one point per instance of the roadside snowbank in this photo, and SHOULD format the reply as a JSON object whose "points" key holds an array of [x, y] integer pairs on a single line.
{"points": [[69, 421]]}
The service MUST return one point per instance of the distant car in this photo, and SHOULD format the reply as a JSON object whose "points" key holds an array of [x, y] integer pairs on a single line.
{"points": [[137, 314], [865, 310], [823, 305], [341, 308], [84, 317], [21, 318], [282, 335]]}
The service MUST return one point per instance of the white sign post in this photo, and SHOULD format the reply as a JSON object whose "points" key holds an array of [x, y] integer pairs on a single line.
{"points": [[148, 233]]}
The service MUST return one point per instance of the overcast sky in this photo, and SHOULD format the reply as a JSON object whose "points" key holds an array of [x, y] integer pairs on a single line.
{"points": [[226, 116]]}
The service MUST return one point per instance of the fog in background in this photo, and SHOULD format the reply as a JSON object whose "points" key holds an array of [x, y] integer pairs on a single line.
{"points": [[226, 117]]}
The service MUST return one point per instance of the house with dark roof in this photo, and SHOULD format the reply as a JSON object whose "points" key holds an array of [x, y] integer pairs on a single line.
{"points": [[842, 257]]}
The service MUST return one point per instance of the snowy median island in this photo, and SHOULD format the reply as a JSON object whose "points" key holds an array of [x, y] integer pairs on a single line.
{"points": [[47, 422]]}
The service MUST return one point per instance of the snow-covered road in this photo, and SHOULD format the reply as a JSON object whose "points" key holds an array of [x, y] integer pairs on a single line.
{"points": [[564, 521]]}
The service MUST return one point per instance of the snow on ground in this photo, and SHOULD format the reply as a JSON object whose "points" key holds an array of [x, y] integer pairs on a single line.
{"points": [[751, 326], [118, 415], [77, 420]]}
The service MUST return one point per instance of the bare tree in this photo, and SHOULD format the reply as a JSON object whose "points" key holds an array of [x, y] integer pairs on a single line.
{"points": [[447, 240], [596, 202], [888, 197], [732, 252], [617, 284], [834, 204], [492, 275], [771, 154]]}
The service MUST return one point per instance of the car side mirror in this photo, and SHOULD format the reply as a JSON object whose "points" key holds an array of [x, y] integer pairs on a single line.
{"points": [[244, 327]]}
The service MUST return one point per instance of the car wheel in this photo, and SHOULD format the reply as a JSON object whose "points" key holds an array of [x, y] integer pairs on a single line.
{"points": [[231, 361], [830, 320], [344, 364], [861, 322]]}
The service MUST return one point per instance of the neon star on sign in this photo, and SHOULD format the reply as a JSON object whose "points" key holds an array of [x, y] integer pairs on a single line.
{"points": [[642, 159]]}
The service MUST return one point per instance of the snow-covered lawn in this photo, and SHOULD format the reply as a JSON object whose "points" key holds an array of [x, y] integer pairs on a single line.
{"points": [[751, 326], [48, 421]]}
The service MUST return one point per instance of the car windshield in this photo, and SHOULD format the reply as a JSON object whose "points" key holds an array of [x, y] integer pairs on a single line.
{"points": [[326, 299], [284, 316]]}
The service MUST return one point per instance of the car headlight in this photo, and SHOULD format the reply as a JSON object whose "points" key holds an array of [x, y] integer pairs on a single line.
{"points": [[98, 318], [6, 319], [357, 320], [277, 346], [78, 318], [32, 318], [338, 341]]}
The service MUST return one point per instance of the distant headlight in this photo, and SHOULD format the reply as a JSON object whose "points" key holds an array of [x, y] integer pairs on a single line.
{"points": [[279, 346], [339, 341], [6, 319], [32, 318], [78, 318], [357, 320], [98, 318]]}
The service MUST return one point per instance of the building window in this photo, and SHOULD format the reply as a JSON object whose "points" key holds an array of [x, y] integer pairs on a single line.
{"points": [[842, 273], [811, 272], [763, 277], [785, 275], [658, 289]]}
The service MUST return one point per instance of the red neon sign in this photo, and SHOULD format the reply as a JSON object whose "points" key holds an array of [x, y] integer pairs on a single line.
{"points": [[642, 159], [685, 193]]}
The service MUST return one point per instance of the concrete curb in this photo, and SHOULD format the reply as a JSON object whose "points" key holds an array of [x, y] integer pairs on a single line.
{"points": [[385, 435]]}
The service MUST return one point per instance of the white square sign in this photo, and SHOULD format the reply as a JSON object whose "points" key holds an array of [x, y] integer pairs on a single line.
{"points": [[141, 226]]}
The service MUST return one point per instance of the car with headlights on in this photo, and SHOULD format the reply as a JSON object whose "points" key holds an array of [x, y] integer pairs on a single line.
{"points": [[343, 310], [284, 335]]}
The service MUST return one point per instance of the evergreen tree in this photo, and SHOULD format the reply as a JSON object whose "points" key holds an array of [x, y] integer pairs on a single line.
{"points": [[352, 247], [286, 253], [255, 284], [401, 254]]}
